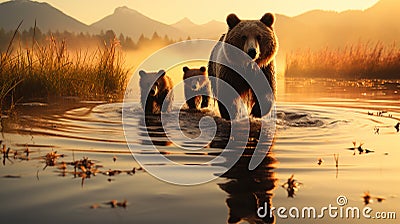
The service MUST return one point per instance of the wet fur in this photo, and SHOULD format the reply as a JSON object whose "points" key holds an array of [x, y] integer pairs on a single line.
{"points": [[202, 95], [154, 104], [268, 44]]}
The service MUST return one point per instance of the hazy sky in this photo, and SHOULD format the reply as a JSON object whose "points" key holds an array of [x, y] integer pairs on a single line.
{"points": [[200, 11]]}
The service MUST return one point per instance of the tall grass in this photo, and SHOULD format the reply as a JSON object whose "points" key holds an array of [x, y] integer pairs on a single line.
{"points": [[363, 60], [51, 70], [7, 82]]}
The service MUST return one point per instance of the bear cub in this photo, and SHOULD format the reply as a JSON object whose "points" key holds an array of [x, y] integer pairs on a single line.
{"points": [[197, 87], [156, 92]]}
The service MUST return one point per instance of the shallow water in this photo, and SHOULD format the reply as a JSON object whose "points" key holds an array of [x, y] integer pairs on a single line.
{"points": [[315, 120]]}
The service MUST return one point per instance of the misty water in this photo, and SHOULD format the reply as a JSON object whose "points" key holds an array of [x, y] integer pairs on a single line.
{"points": [[317, 123]]}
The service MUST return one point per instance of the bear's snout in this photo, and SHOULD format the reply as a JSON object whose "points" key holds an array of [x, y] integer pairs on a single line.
{"points": [[251, 47], [252, 52], [195, 85]]}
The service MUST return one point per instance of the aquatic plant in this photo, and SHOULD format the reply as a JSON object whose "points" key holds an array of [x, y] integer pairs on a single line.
{"points": [[291, 186], [49, 69], [362, 60]]}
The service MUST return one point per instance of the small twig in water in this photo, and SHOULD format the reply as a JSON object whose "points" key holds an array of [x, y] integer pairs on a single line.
{"points": [[336, 157]]}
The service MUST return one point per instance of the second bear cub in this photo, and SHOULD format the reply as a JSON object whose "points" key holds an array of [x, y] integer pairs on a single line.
{"points": [[197, 87]]}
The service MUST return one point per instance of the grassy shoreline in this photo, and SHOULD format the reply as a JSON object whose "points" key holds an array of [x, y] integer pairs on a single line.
{"points": [[51, 70], [360, 61]]}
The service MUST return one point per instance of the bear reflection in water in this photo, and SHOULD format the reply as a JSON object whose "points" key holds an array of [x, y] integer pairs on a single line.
{"points": [[247, 190], [152, 127]]}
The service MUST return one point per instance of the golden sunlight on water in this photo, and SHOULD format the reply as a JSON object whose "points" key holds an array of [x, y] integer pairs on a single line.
{"points": [[72, 162]]}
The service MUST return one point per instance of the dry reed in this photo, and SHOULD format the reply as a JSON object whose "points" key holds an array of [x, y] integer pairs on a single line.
{"points": [[51, 70], [363, 60]]}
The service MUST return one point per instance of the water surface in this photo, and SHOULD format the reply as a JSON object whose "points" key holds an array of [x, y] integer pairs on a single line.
{"points": [[316, 121]]}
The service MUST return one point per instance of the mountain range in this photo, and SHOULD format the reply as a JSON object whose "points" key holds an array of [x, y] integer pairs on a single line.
{"points": [[46, 16], [313, 29], [135, 24]]}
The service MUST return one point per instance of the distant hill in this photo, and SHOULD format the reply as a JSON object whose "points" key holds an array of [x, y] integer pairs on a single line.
{"points": [[132, 23], [212, 29], [47, 17], [327, 28], [312, 30], [184, 24], [318, 29]]}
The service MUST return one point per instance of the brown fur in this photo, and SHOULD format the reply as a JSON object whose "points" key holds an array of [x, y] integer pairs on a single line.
{"points": [[256, 35], [197, 87], [156, 90]]}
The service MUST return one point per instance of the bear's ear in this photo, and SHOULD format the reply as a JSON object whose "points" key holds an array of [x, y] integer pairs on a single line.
{"points": [[232, 20], [142, 73], [161, 73], [203, 69], [185, 69], [268, 19]]}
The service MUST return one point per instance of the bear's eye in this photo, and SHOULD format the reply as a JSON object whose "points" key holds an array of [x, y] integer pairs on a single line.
{"points": [[244, 37], [258, 37]]}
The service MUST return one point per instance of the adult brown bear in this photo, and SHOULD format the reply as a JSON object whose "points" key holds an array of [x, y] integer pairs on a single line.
{"points": [[248, 74]]}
